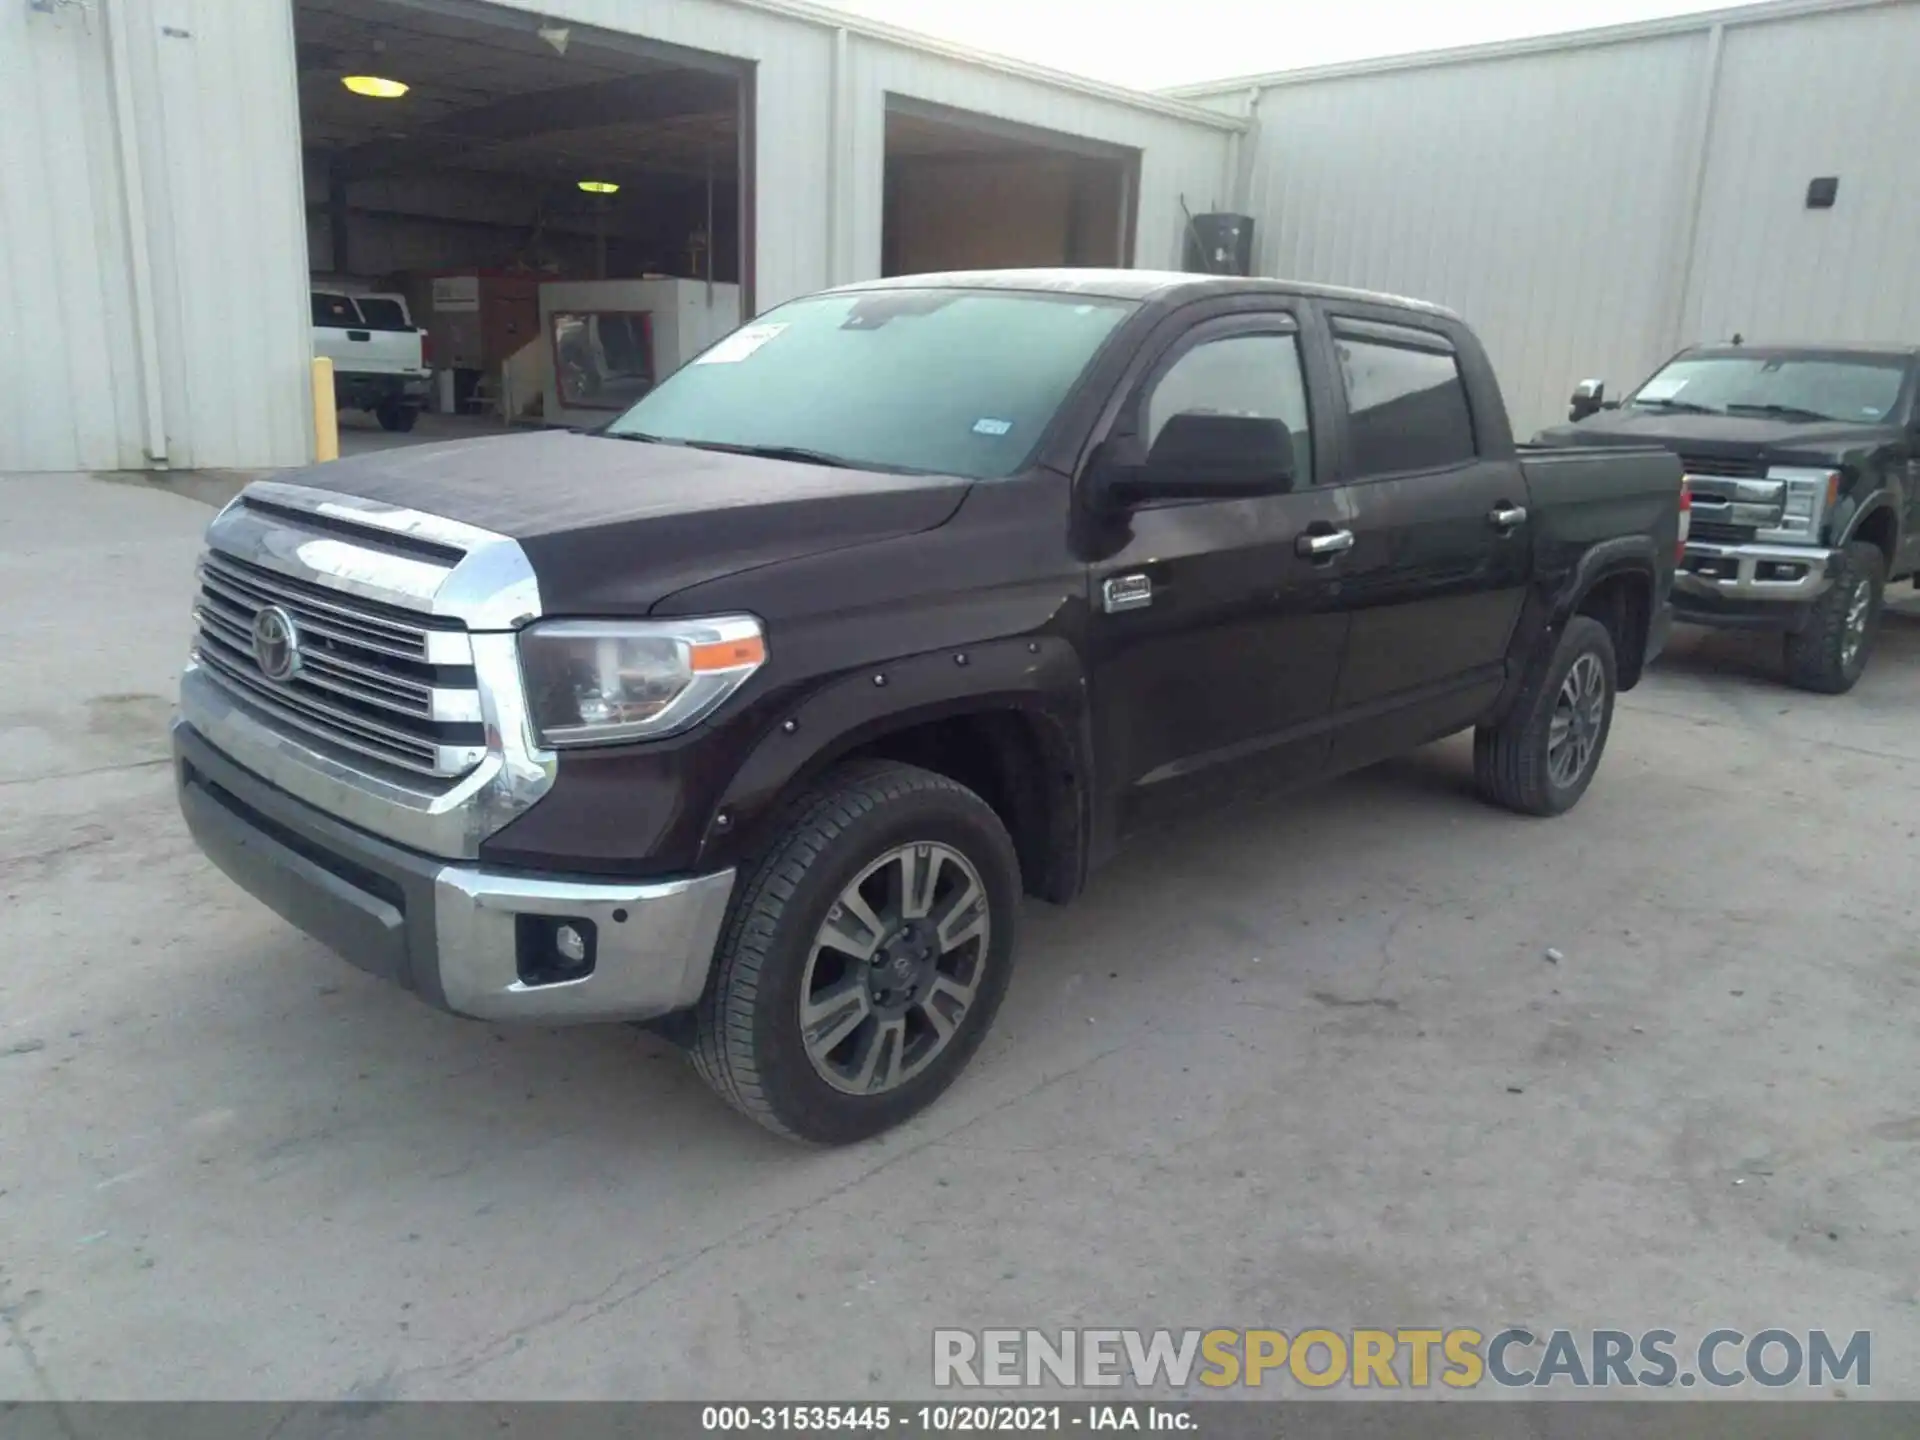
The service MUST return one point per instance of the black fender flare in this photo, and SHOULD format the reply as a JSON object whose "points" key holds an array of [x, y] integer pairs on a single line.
{"points": [[1863, 510], [1550, 606], [1635, 554], [1039, 677]]}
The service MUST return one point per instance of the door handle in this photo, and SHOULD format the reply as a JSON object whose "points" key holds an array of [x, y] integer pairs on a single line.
{"points": [[1507, 517], [1319, 544]]}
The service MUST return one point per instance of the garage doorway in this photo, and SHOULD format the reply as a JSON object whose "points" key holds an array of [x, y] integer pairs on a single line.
{"points": [[564, 212], [966, 191]]}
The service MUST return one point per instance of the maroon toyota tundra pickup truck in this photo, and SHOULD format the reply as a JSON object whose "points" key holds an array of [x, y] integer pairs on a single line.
{"points": [[753, 714]]}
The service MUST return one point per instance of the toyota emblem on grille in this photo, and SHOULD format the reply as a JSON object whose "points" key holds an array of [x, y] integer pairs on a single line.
{"points": [[276, 644]]}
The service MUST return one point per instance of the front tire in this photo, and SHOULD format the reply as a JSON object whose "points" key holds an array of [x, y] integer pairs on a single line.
{"points": [[1541, 757], [864, 957], [1831, 653]]}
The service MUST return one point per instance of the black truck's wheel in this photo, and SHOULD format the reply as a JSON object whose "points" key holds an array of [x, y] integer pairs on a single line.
{"points": [[1831, 653], [392, 415], [1540, 759], [864, 957]]}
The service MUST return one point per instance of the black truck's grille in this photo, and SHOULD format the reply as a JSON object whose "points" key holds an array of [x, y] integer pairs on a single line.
{"points": [[1736, 467], [1718, 532], [380, 682]]}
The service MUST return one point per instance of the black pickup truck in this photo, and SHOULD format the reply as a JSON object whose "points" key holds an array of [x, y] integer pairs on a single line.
{"points": [[1804, 468], [752, 714]]}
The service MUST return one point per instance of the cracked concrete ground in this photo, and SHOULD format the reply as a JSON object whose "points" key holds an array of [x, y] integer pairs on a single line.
{"points": [[1304, 1065]]}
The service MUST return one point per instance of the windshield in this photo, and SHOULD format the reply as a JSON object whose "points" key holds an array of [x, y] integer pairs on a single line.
{"points": [[953, 382], [1860, 389]]}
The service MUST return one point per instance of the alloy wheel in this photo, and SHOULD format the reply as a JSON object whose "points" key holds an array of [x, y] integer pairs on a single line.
{"points": [[894, 968], [1579, 713], [1853, 637]]}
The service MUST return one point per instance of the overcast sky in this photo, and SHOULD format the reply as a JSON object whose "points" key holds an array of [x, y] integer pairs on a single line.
{"points": [[1156, 43]]}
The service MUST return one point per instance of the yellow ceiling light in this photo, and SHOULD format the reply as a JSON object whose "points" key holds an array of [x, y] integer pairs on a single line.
{"points": [[600, 187], [375, 86]]}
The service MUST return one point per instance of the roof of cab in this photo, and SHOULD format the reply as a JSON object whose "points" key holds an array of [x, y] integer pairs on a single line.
{"points": [[1138, 285]]}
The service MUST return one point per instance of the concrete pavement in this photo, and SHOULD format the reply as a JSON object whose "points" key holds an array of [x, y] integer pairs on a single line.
{"points": [[1303, 1065]]}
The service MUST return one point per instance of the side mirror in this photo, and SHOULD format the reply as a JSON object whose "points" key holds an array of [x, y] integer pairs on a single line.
{"points": [[1201, 456], [1589, 397]]}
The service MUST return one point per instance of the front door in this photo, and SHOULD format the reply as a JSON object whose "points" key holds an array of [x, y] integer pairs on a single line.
{"points": [[1442, 539], [1215, 645]]}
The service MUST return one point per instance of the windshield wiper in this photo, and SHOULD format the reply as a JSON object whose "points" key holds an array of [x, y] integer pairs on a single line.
{"points": [[1685, 407], [775, 452], [764, 452], [1783, 412]]}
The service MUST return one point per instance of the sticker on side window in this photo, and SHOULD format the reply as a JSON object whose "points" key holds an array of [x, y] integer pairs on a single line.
{"points": [[739, 345], [986, 425]]}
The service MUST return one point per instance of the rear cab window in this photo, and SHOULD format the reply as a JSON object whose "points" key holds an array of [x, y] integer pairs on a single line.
{"points": [[336, 312], [1407, 405], [382, 313]]}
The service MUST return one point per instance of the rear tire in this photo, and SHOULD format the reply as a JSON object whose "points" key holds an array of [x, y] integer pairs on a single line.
{"points": [[396, 417], [926, 859], [1541, 757], [1830, 655]]}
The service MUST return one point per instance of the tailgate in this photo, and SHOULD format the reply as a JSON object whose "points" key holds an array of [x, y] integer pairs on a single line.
{"points": [[368, 351]]}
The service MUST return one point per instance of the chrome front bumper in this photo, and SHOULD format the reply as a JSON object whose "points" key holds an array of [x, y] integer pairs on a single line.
{"points": [[1769, 573], [461, 936], [656, 944]]}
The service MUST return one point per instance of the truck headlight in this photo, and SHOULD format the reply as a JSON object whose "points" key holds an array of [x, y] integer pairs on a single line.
{"points": [[1807, 495], [590, 682]]}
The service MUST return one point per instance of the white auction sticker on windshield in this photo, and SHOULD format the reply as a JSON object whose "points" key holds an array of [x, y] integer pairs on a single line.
{"points": [[986, 425], [739, 345], [1662, 387]]}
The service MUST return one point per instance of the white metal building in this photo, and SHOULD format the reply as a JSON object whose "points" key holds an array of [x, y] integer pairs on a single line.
{"points": [[1592, 202], [154, 205], [173, 172]]}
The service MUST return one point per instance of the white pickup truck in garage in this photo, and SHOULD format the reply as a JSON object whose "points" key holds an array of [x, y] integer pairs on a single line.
{"points": [[377, 352]]}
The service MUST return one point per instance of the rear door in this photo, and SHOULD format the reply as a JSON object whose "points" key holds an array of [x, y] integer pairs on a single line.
{"points": [[1215, 645], [1442, 541]]}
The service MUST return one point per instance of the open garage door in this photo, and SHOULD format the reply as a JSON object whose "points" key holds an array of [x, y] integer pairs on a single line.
{"points": [[967, 191], [562, 211]]}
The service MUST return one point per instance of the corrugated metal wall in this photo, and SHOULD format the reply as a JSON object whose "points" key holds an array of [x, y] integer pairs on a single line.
{"points": [[201, 93], [1542, 197], [212, 102], [69, 387], [1549, 195], [1826, 95], [220, 144]]}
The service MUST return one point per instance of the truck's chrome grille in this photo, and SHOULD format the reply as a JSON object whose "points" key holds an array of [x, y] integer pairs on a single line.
{"points": [[377, 629], [385, 684]]}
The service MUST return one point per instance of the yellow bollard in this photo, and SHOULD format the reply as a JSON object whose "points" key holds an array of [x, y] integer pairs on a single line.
{"points": [[326, 412]]}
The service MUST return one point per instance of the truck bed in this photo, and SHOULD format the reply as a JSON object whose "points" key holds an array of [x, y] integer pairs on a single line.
{"points": [[1581, 496]]}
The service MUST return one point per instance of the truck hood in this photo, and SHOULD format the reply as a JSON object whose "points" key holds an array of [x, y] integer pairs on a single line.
{"points": [[611, 527], [1718, 434]]}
